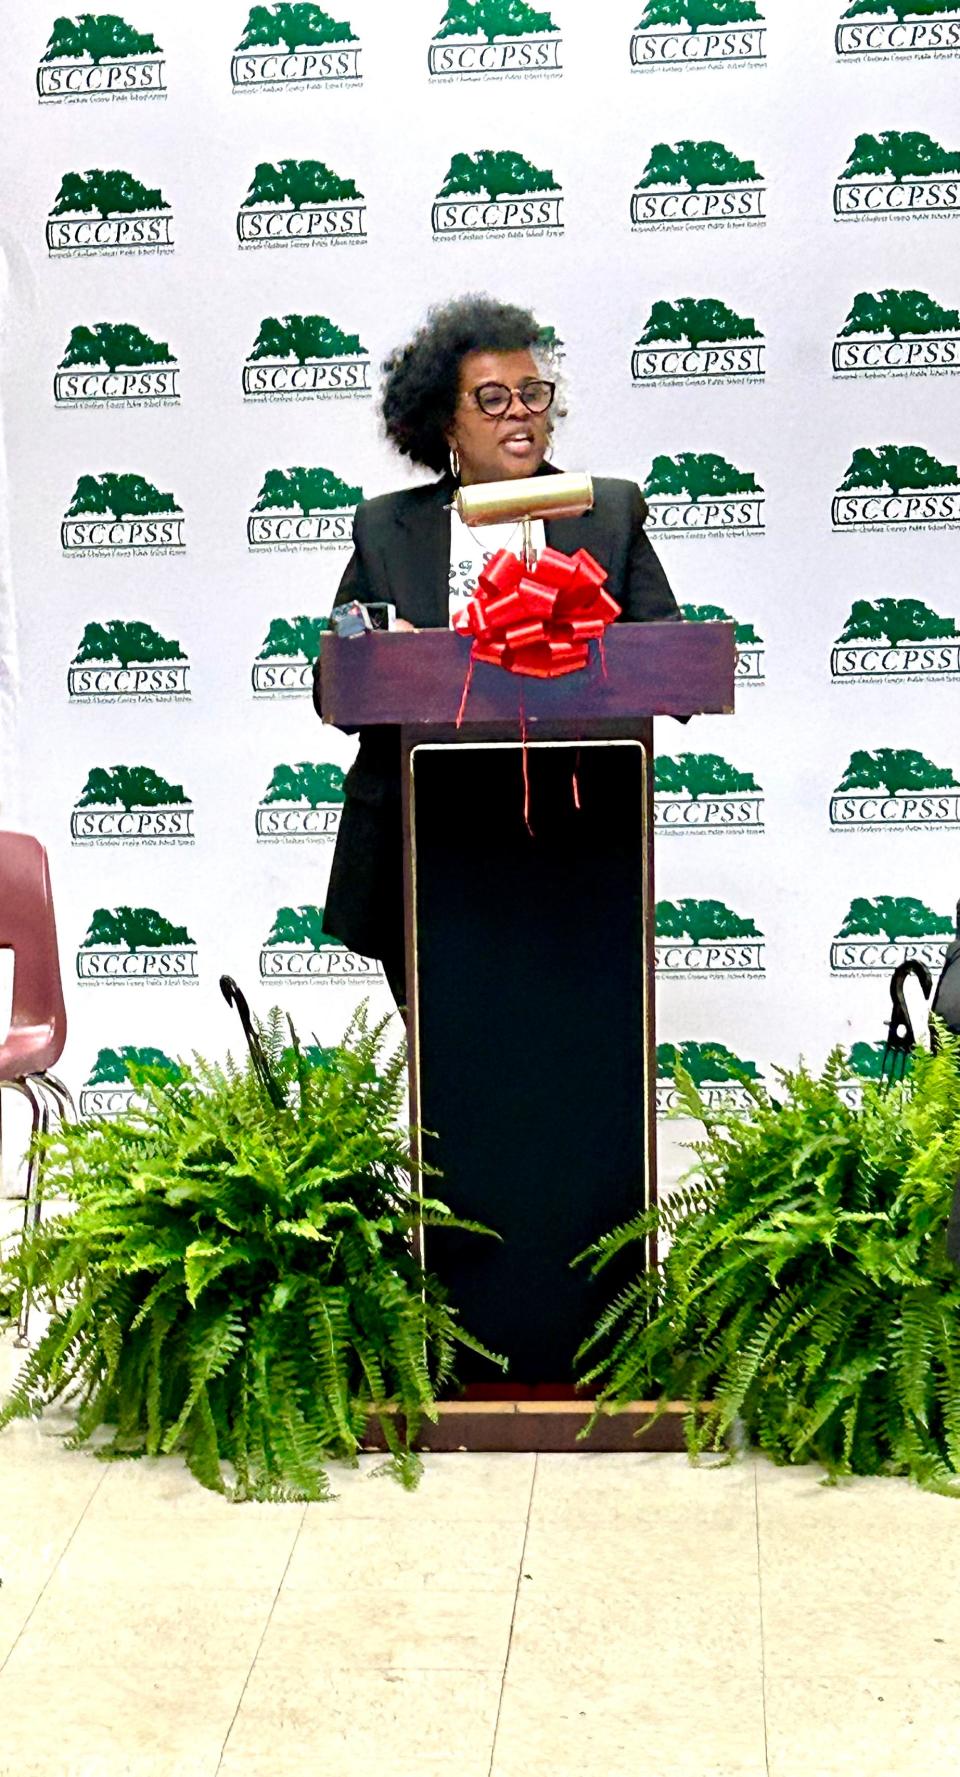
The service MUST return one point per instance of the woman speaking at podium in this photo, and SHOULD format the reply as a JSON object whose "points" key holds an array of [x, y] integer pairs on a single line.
{"points": [[467, 399]]}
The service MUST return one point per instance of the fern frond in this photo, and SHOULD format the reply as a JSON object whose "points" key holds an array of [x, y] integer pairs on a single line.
{"points": [[804, 1290]]}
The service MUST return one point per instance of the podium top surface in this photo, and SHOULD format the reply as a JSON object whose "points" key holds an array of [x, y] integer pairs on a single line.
{"points": [[413, 679]]}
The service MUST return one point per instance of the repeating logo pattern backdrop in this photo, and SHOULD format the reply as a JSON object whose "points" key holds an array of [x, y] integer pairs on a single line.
{"points": [[741, 218]]}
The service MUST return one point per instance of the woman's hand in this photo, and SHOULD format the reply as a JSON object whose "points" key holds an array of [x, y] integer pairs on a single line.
{"points": [[401, 623]]}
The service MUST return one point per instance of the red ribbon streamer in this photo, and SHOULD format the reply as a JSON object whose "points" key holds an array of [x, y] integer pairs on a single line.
{"points": [[525, 766]]}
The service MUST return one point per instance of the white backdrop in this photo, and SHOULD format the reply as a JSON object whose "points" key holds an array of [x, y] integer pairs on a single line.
{"points": [[594, 106]]}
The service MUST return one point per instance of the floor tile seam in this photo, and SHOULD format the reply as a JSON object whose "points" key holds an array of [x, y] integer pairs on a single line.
{"points": [[763, 1655], [169, 1665], [361, 1594], [324, 1668], [389, 1518], [313, 1601], [627, 1551], [173, 1588], [607, 1516], [253, 1662], [491, 1671], [673, 1685], [386, 1667], [178, 1527], [417, 1518], [163, 1682], [513, 1616], [674, 1661], [354, 1580], [842, 1670], [53, 1570], [585, 1590]]}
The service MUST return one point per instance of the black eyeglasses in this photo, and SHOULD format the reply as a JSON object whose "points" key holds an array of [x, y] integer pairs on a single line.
{"points": [[494, 399]]}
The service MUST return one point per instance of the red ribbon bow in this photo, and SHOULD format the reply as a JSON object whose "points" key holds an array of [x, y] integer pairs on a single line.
{"points": [[539, 623]]}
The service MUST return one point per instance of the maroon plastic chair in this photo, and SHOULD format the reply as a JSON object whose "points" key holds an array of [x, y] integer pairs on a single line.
{"points": [[38, 1024]]}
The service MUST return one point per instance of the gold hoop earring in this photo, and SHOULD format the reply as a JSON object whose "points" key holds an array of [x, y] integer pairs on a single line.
{"points": [[454, 462]]}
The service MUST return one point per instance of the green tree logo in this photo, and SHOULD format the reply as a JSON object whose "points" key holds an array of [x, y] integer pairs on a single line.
{"points": [[713, 14], [129, 786], [125, 496], [309, 490], [701, 774], [129, 644], [898, 466], [902, 9], [708, 1064], [866, 1060], [695, 476], [100, 35], [113, 193], [700, 321], [115, 345], [297, 182], [304, 337], [131, 1066], [897, 771], [316, 785], [744, 633], [499, 173], [293, 638], [316, 1055], [894, 917], [901, 154], [297, 26], [493, 18], [898, 312], [133, 928], [696, 164], [896, 621], [300, 926], [702, 922]]}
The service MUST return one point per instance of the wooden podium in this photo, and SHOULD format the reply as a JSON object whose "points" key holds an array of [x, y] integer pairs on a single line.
{"points": [[530, 971]]}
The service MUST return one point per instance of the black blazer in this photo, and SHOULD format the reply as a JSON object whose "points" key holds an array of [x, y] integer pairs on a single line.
{"points": [[401, 555]]}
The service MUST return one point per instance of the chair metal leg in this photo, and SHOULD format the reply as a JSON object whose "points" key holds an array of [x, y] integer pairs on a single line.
{"points": [[53, 1097], [59, 1101], [35, 1171], [46, 1095], [32, 1200], [60, 1093], [40, 1116]]}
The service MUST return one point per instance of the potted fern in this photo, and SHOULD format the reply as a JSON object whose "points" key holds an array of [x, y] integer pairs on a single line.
{"points": [[806, 1290], [237, 1279]]}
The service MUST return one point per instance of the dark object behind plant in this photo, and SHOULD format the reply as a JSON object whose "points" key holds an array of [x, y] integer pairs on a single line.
{"points": [[901, 1037], [946, 999], [946, 1008], [237, 1280], [235, 996], [807, 1289]]}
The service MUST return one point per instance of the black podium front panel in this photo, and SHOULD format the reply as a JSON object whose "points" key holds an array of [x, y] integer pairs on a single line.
{"points": [[530, 1030]]}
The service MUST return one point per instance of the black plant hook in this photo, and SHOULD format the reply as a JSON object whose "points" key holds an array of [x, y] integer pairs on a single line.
{"points": [[901, 1037], [235, 996]]}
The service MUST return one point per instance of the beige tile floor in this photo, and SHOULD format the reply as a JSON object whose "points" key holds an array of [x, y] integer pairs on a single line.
{"points": [[518, 1616]]}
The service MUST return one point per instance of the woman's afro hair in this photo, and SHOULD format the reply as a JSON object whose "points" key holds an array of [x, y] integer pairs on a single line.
{"points": [[421, 384]]}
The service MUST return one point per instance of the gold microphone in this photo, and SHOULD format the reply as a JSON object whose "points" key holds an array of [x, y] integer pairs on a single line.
{"points": [[523, 500]]}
